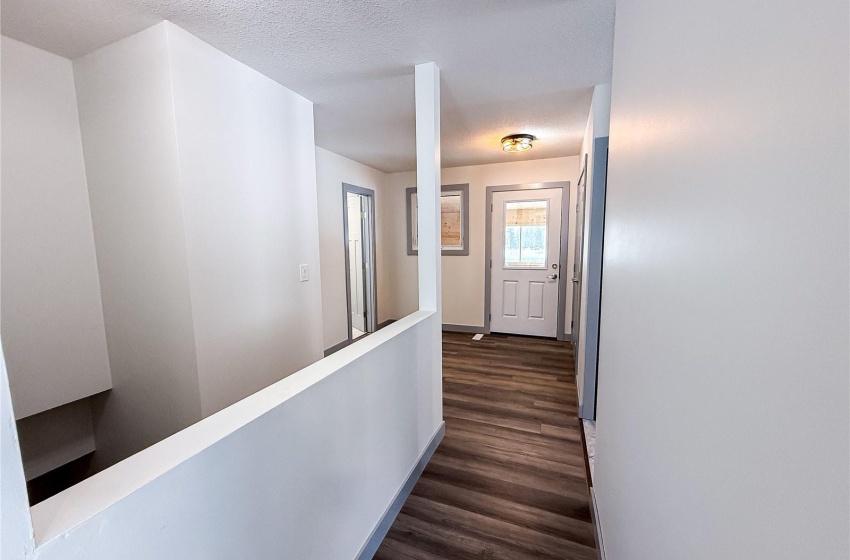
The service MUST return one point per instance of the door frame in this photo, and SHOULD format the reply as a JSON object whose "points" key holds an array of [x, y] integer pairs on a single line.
{"points": [[371, 276], [595, 229], [563, 257], [578, 254]]}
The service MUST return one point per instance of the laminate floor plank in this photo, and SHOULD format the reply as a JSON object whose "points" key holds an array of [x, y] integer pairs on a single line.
{"points": [[508, 480], [557, 453], [462, 448], [542, 521], [509, 410]]}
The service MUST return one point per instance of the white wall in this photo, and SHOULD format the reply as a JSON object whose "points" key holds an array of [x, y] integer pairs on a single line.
{"points": [[203, 210], [250, 214], [598, 123], [331, 171], [124, 93], [403, 280], [52, 320], [722, 426], [303, 469], [463, 276]]}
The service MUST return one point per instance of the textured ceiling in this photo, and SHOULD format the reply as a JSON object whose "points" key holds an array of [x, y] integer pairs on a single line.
{"points": [[518, 66]]}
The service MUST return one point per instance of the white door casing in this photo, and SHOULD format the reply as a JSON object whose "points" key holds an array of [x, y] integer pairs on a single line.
{"points": [[524, 282]]}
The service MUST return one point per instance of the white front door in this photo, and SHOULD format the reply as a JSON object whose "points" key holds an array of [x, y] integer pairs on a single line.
{"points": [[526, 249]]}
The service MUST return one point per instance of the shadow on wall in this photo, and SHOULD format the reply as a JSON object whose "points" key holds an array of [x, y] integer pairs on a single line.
{"points": [[156, 265]]}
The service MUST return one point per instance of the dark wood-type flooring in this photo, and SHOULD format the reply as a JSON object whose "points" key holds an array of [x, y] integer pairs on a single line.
{"points": [[508, 481]]}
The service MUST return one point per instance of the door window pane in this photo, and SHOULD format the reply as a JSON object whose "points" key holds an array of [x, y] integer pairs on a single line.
{"points": [[525, 233]]}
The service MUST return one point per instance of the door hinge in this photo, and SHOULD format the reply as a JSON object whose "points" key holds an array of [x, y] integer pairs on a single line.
{"points": [[571, 324], [491, 263], [489, 316], [491, 208]]}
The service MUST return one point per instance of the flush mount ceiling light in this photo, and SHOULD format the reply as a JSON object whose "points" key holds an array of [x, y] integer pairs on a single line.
{"points": [[517, 142]]}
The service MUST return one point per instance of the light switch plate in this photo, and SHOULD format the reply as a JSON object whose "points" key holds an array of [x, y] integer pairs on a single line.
{"points": [[303, 273]]}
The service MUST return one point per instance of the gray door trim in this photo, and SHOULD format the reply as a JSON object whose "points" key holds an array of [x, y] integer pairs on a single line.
{"points": [[565, 238], [595, 247], [578, 255], [371, 277]]}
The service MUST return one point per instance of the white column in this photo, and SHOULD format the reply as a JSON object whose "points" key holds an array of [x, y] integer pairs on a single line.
{"points": [[427, 78]]}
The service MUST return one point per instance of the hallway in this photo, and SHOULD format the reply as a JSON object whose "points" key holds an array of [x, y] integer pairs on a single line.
{"points": [[508, 480]]}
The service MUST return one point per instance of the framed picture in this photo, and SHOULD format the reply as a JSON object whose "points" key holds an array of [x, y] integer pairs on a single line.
{"points": [[454, 220]]}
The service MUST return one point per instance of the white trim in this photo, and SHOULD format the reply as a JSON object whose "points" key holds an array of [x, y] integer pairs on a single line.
{"points": [[597, 528]]}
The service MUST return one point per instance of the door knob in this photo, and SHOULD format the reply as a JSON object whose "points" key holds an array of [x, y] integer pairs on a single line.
{"points": [[552, 277], [575, 280]]}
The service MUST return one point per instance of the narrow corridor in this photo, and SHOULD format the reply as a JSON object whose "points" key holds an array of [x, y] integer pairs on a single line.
{"points": [[508, 481]]}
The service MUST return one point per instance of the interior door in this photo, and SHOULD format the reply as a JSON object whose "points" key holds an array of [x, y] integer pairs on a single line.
{"points": [[356, 268], [575, 325], [526, 247]]}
